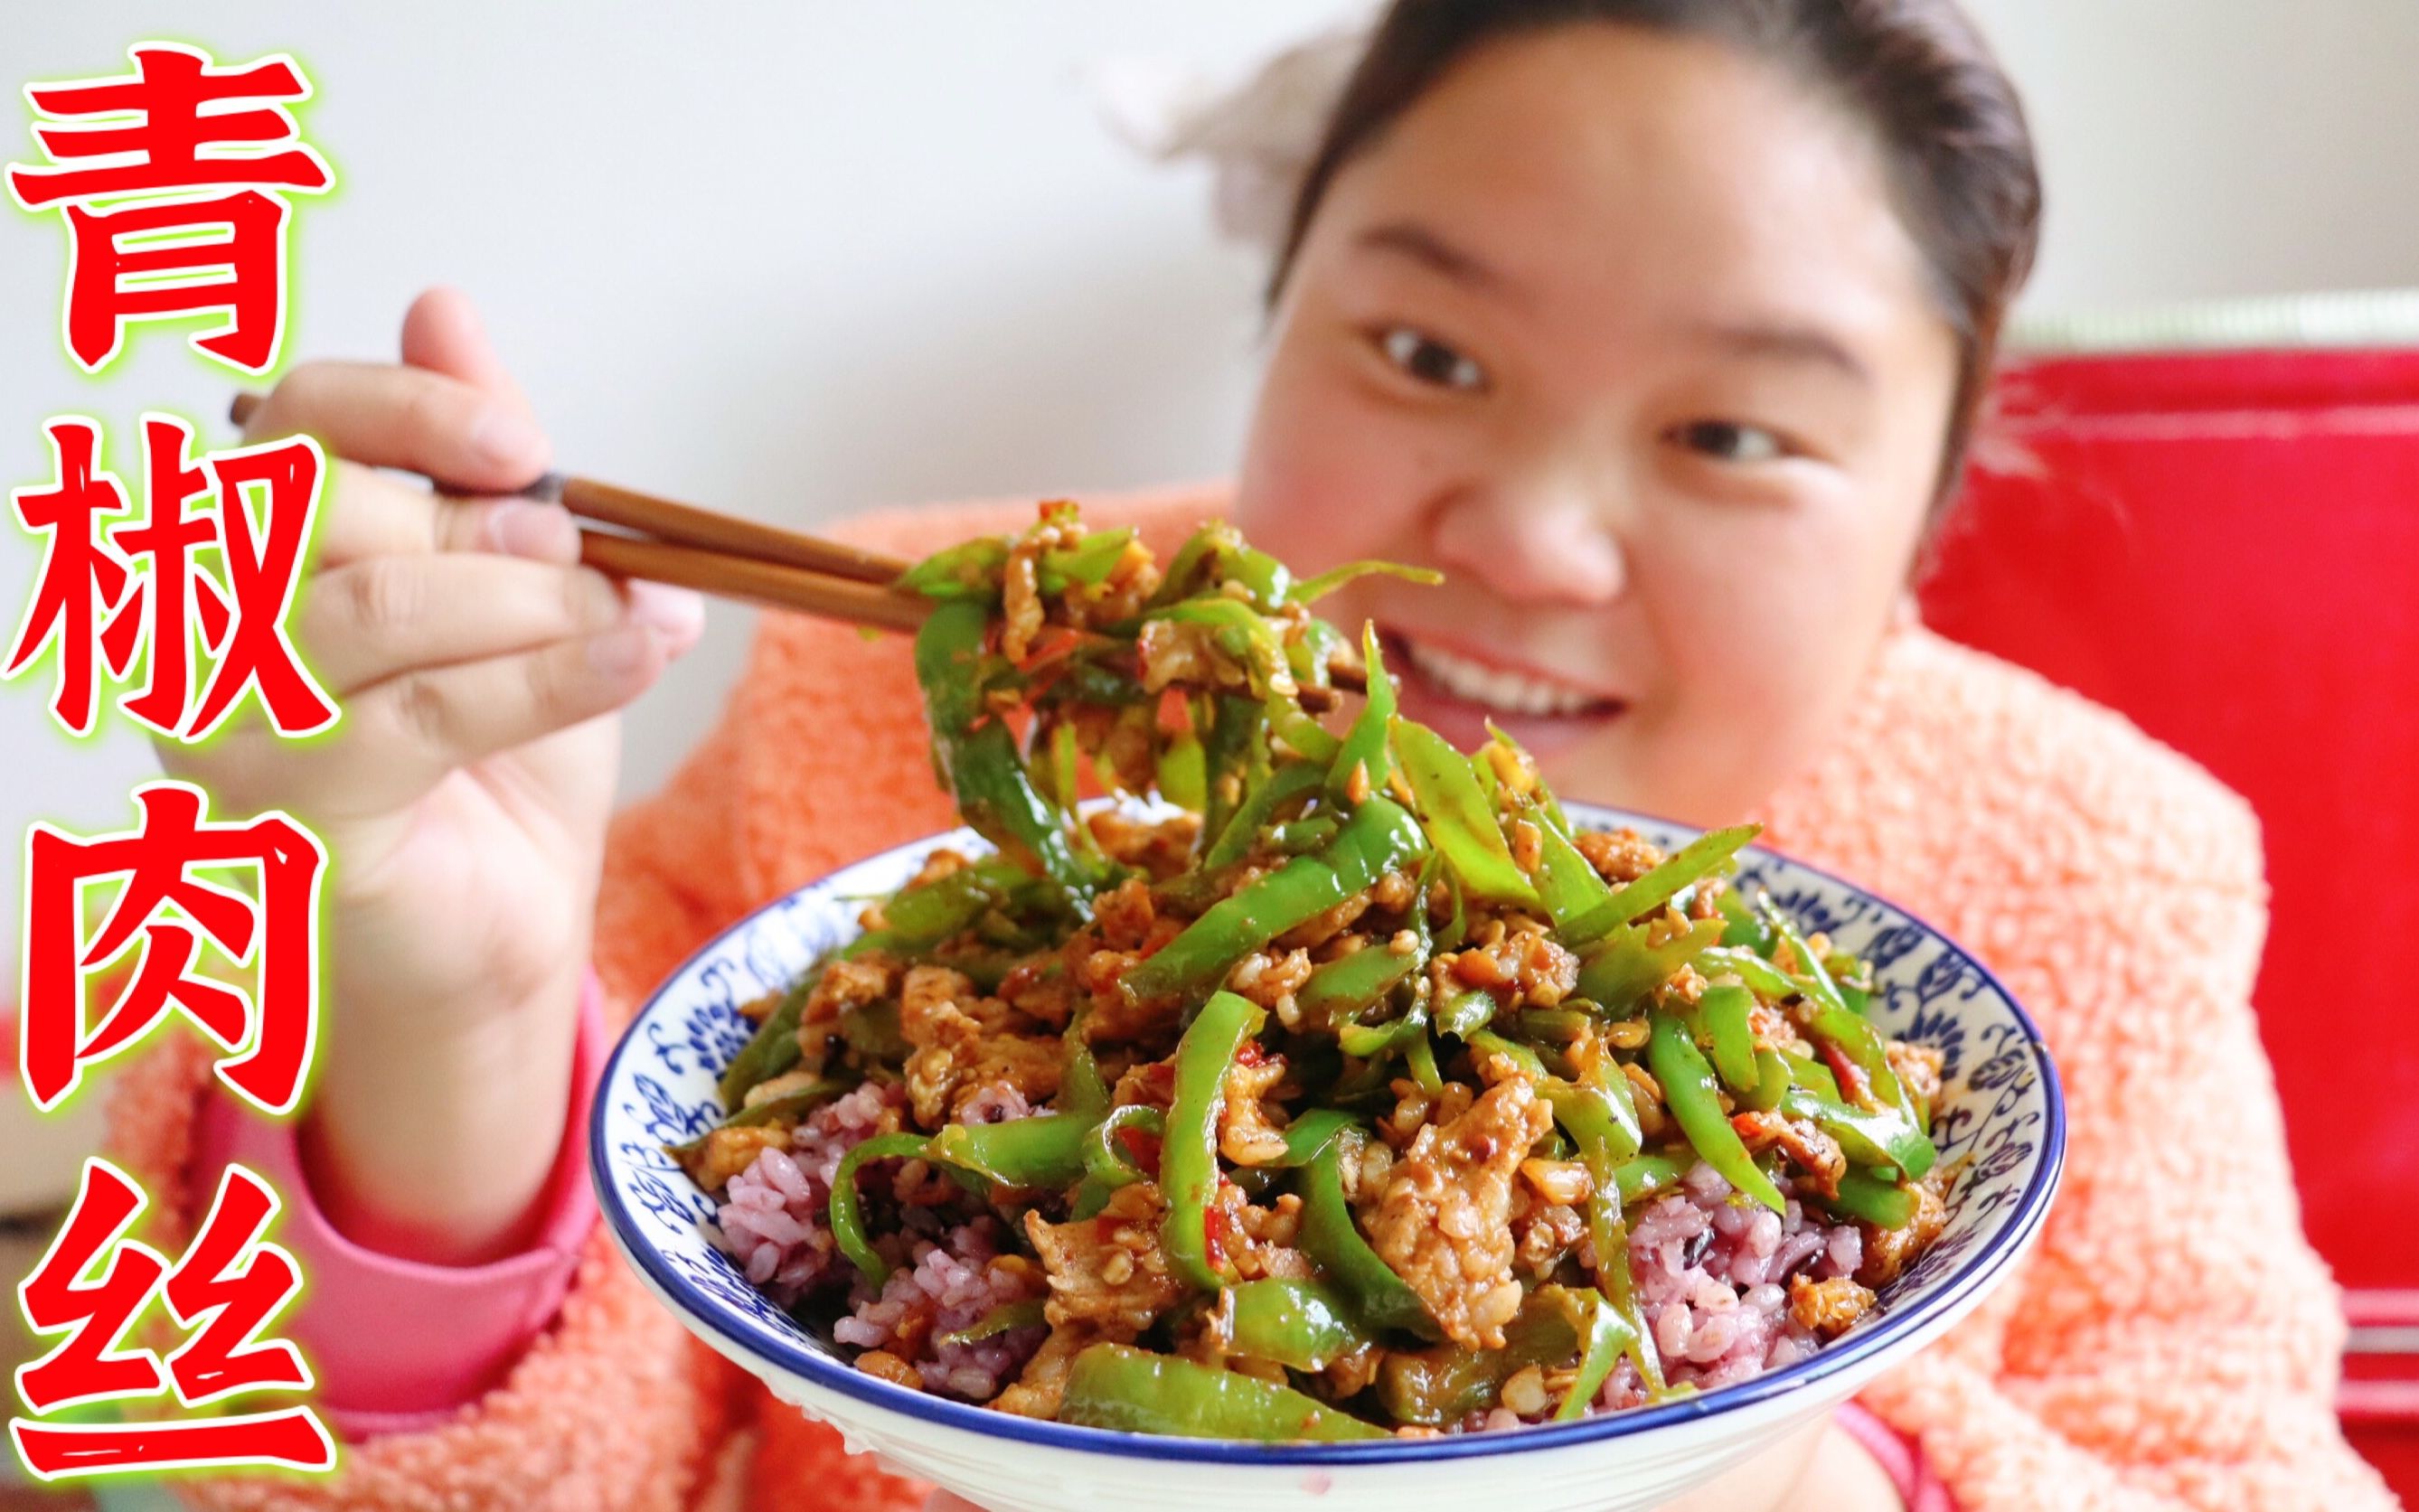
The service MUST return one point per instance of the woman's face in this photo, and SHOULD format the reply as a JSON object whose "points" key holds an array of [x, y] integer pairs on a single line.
{"points": [[1620, 330]]}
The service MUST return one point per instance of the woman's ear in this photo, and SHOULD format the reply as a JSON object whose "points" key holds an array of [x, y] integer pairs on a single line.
{"points": [[1905, 614]]}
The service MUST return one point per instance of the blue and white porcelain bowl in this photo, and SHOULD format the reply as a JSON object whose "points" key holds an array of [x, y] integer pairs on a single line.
{"points": [[2000, 1122]]}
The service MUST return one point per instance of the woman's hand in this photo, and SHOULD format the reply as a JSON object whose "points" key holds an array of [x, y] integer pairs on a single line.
{"points": [[1817, 1469], [463, 795]]}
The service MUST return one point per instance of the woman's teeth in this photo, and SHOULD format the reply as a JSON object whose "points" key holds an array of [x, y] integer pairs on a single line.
{"points": [[1499, 688]]}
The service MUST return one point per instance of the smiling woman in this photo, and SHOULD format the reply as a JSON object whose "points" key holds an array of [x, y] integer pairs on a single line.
{"points": [[1659, 328]]}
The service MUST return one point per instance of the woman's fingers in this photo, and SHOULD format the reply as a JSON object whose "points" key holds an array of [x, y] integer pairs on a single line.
{"points": [[408, 732], [442, 332], [391, 416], [383, 616]]}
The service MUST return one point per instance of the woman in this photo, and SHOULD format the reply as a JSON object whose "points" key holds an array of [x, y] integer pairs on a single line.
{"points": [[1661, 326]]}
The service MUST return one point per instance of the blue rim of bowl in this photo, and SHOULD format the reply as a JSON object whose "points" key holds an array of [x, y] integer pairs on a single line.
{"points": [[834, 1374]]}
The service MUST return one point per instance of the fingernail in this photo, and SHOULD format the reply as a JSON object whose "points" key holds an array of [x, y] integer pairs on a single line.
{"points": [[621, 653], [544, 532], [678, 614], [508, 440]]}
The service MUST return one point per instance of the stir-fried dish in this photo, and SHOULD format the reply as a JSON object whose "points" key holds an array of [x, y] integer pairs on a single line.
{"points": [[1350, 1091]]}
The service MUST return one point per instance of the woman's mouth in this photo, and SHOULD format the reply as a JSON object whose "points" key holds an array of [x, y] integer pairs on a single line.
{"points": [[1457, 692]]}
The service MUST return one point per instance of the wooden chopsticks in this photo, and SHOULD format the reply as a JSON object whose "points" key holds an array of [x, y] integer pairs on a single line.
{"points": [[664, 541], [675, 543]]}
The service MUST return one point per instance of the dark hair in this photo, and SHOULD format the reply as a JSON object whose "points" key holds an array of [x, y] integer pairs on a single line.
{"points": [[1915, 71]]}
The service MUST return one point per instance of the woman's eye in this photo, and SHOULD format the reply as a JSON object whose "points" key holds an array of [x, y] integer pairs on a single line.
{"points": [[1727, 442], [1431, 360]]}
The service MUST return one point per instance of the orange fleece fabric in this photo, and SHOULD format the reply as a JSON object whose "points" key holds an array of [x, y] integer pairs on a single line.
{"points": [[2172, 1343]]}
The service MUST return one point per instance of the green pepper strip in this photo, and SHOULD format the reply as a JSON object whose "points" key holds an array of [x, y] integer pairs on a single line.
{"points": [[1760, 976], [1201, 548], [1643, 1175], [1486, 1041], [848, 1218], [1771, 1083], [1579, 898], [1812, 1074], [1869, 1137], [789, 1104], [1306, 1136], [1044, 1152], [1258, 807], [1373, 1041], [1310, 589], [1683, 868], [1378, 838], [970, 569], [1466, 1012], [1742, 929], [1302, 1325], [1626, 969], [1365, 744], [1459, 820], [1136, 1391], [1188, 1158], [1900, 1129], [1227, 758], [1442, 1384], [1688, 1091], [1086, 564], [975, 754], [1378, 1296], [1340, 991], [1302, 834], [1184, 772], [1722, 1014], [1609, 1337], [1864, 1194], [1006, 1317], [771, 1050], [1105, 1159], [1081, 1091], [1419, 1056]]}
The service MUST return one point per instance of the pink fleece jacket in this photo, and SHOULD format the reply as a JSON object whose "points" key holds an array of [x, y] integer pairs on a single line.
{"points": [[2172, 1343]]}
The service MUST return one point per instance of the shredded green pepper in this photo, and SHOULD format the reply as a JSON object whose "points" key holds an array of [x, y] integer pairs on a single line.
{"points": [[1459, 820], [1378, 1296], [1723, 1016], [975, 754], [1626, 969], [771, 1050], [1006, 1317], [1378, 838], [1340, 991], [1364, 750], [1608, 1338], [1135, 1391], [1688, 1091], [848, 1216], [1303, 1325], [1864, 1194], [1187, 1160]]}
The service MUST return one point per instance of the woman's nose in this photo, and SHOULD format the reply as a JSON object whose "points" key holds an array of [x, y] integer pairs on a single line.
{"points": [[1532, 548]]}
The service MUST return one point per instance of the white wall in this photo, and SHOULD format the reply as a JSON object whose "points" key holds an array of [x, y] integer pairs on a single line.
{"points": [[798, 258]]}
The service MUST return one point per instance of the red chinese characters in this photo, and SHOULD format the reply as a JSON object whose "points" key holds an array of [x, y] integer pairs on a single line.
{"points": [[100, 607], [157, 147], [230, 1285], [165, 911]]}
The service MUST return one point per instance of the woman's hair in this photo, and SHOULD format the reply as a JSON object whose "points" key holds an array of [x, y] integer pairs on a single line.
{"points": [[1915, 72]]}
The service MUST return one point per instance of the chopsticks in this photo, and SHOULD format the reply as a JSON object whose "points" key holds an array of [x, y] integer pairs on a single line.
{"points": [[665, 541], [719, 554]]}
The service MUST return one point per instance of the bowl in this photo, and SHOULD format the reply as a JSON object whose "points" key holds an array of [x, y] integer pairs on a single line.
{"points": [[1999, 1116]]}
